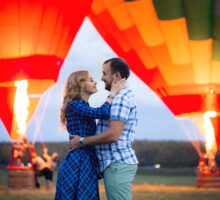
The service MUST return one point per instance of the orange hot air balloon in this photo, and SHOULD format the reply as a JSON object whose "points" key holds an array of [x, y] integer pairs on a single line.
{"points": [[35, 36], [172, 45]]}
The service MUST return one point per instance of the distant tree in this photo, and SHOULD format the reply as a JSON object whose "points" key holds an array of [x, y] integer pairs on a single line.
{"points": [[167, 153]]}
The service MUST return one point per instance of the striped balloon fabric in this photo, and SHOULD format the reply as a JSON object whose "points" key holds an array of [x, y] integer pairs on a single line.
{"points": [[172, 45]]}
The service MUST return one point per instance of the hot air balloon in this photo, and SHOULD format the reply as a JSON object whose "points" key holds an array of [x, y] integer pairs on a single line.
{"points": [[172, 45], [35, 36]]}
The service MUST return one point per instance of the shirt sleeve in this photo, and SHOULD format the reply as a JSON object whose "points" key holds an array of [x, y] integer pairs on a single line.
{"points": [[82, 110], [120, 109]]}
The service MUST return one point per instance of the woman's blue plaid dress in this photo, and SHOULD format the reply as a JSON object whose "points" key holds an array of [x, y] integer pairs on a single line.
{"points": [[77, 176]]}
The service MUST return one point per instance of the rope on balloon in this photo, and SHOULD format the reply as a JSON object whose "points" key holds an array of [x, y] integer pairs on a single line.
{"points": [[194, 140], [38, 122]]}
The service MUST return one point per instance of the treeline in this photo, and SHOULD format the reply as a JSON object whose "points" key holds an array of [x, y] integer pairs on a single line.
{"points": [[166, 153]]}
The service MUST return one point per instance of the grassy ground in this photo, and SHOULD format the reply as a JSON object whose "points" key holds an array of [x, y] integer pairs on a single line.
{"points": [[140, 192], [146, 186], [144, 178], [154, 179]]}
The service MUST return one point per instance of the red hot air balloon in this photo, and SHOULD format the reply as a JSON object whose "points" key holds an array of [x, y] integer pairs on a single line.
{"points": [[35, 36]]}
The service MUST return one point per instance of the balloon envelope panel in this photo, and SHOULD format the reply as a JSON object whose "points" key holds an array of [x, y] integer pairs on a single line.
{"points": [[173, 46], [35, 37]]}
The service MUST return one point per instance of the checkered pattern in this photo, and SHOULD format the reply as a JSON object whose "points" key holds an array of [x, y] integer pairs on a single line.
{"points": [[77, 176], [81, 118], [123, 109]]}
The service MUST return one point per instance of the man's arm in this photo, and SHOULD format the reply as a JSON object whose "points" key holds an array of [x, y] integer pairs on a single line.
{"points": [[111, 135], [46, 156]]}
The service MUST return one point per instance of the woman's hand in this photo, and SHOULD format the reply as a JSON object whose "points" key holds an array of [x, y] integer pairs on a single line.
{"points": [[116, 87]]}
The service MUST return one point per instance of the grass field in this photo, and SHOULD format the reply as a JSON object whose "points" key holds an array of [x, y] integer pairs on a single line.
{"points": [[145, 187]]}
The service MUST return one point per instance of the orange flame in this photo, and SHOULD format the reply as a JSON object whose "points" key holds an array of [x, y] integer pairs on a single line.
{"points": [[21, 106], [210, 143]]}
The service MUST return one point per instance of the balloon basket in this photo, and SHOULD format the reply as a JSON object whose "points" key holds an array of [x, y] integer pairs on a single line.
{"points": [[21, 178], [209, 180]]}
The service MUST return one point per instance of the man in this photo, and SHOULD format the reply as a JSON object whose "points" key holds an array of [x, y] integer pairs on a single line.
{"points": [[39, 166], [115, 136], [51, 165], [41, 169]]}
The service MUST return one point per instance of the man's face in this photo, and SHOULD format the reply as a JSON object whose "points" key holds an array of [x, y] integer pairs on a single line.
{"points": [[107, 76]]}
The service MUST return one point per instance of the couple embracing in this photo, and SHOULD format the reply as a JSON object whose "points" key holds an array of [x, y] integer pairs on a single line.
{"points": [[103, 149]]}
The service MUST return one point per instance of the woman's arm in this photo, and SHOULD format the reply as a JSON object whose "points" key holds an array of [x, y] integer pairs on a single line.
{"points": [[82, 110]]}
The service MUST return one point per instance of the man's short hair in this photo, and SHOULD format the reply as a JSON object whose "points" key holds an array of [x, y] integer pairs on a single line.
{"points": [[119, 65]]}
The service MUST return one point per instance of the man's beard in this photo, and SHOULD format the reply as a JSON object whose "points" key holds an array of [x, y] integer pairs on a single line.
{"points": [[108, 86]]}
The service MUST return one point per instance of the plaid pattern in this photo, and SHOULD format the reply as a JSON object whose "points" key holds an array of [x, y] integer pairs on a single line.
{"points": [[77, 176], [123, 109], [81, 118]]}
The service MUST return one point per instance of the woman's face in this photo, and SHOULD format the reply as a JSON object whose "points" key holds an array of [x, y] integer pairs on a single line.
{"points": [[90, 85]]}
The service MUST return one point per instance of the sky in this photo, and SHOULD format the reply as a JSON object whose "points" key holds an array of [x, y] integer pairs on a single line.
{"points": [[88, 52]]}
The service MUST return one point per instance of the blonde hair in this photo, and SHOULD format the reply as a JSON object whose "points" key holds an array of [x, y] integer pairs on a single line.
{"points": [[72, 91]]}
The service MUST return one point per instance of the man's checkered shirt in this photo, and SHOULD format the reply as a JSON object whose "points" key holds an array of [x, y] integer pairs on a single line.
{"points": [[123, 109]]}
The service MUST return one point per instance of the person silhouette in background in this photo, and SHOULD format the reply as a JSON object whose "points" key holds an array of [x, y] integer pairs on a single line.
{"points": [[51, 164], [41, 169], [39, 165], [18, 151]]}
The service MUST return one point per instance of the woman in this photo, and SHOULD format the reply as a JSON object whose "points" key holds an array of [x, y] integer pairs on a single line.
{"points": [[78, 173]]}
